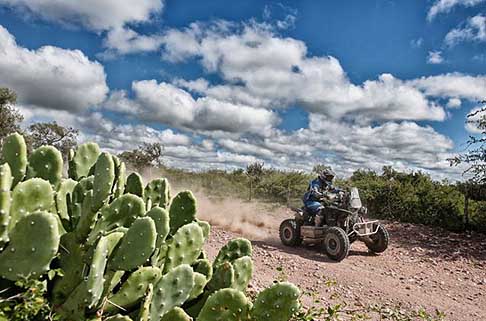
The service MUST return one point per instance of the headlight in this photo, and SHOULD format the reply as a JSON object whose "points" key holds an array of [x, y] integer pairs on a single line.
{"points": [[363, 210]]}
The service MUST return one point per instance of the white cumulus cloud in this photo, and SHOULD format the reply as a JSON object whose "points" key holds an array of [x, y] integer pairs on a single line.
{"points": [[454, 85], [51, 77], [97, 15], [171, 105], [265, 70], [473, 30], [445, 6], [435, 57]]}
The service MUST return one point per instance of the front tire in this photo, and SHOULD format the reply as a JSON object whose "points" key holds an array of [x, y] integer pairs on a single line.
{"points": [[379, 240], [290, 233], [336, 243]]}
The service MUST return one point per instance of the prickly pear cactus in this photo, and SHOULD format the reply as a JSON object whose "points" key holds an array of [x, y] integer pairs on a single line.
{"points": [[64, 191], [127, 252], [161, 220], [277, 303], [233, 250], [182, 210], [243, 268], [135, 185], [30, 196], [133, 289], [78, 195], [6, 181], [223, 277], [136, 246], [104, 178], [46, 162], [173, 289], [176, 314], [226, 305], [14, 152], [120, 178], [185, 246], [83, 159], [34, 242], [157, 193], [122, 212]]}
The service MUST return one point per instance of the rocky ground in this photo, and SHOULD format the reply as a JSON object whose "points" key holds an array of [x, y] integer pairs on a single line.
{"points": [[423, 268]]}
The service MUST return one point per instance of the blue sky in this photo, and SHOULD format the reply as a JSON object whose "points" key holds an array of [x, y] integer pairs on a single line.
{"points": [[357, 84]]}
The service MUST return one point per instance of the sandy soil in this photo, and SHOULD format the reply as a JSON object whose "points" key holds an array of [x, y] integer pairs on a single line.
{"points": [[423, 267]]}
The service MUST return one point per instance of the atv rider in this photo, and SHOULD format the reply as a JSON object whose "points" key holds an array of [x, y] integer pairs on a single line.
{"points": [[320, 190]]}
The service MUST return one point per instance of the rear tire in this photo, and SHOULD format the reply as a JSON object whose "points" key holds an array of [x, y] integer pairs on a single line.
{"points": [[290, 233], [379, 240], [336, 243]]}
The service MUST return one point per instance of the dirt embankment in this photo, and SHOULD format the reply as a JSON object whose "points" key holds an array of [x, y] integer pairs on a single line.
{"points": [[423, 267]]}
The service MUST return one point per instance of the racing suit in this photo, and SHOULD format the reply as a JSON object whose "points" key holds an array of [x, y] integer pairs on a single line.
{"points": [[315, 193]]}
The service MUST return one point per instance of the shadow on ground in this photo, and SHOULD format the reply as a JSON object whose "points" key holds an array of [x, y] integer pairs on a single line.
{"points": [[308, 251]]}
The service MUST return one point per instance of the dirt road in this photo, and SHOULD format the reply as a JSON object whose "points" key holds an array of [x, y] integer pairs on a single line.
{"points": [[423, 267]]}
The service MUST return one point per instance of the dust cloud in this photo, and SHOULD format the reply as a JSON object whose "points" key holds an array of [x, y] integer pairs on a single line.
{"points": [[250, 219], [254, 220]]}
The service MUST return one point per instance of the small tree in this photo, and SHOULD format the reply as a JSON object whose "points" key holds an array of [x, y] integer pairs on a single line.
{"points": [[254, 172], [62, 138], [145, 155], [475, 152], [10, 118]]}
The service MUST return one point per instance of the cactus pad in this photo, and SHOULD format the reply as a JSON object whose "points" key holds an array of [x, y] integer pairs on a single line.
{"points": [[6, 181], [104, 178], [95, 280], [83, 159], [226, 305], [161, 220], [172, 290], [133, 289], [203, 266], [176, 314], [122, 212], [46, 162], [88, 218], [30, 196], [206, 228], [65, 187], [223, 277], [157, 193], [14, 152], [277, 303], [77, 197], [34, 242], [185, 246], [120, 179], [136, 246], [200, 282], [243, 272], [233, 250], [134, 185], [182, 210]]}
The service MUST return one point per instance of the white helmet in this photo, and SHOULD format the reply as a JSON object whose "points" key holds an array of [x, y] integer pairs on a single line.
{"points": [[327, 175]]}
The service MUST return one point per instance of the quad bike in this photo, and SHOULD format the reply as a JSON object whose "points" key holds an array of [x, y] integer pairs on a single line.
{"points": [[336, 227]]}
